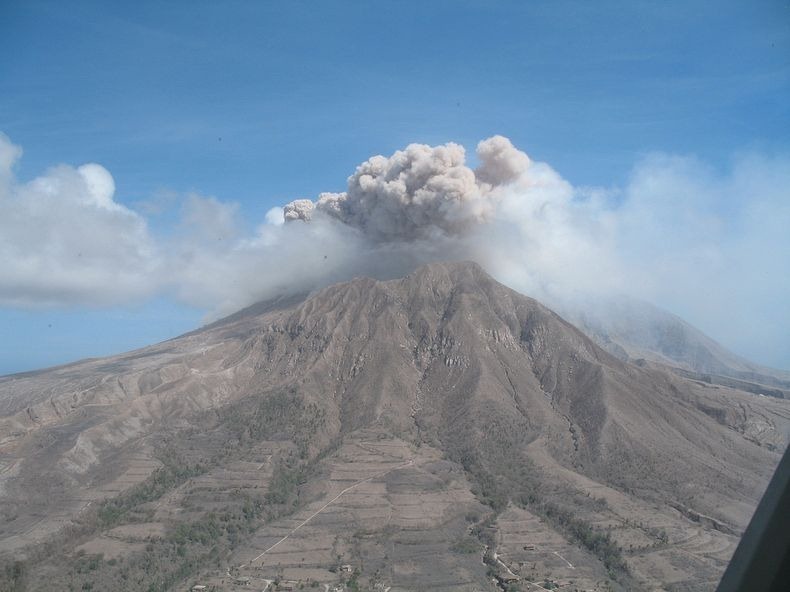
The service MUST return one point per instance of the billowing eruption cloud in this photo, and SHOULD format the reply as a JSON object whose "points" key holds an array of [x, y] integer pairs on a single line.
{"points": [[711, 246], [420, 191], [518, 218], [299, 209]]}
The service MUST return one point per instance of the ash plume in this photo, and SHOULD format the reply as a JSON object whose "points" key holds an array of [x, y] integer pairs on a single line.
{"points": [[420, 191], [698, 241], [678, 234]]}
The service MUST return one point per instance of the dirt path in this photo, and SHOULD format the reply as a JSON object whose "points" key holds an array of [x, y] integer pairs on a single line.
{"points": [[537, 585], [502, 563], [565, 560], [329, 503]]}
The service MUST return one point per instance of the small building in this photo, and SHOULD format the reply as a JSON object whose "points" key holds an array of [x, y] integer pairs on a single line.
{"points": [[199, 588], [347, 568]]}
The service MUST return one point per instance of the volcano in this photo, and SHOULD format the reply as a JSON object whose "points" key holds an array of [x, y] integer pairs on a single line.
{"points": [[435, 432]]}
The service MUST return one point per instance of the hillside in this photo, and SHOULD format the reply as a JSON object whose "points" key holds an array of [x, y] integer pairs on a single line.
{"points": [[438, 431], [634, 329]]}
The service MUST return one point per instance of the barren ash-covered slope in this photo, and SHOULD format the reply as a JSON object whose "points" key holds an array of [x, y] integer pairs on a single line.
{"points": [[436, 432], [634, 329]]}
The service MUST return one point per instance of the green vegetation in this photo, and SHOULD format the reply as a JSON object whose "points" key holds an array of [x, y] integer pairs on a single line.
{"points": [[171, 475], [599, 543], [502, 476], [352, 583], [281, 413], [660, 534], [465, 546], [202, 539], [14, 576], [283, 487], [187, 547]]}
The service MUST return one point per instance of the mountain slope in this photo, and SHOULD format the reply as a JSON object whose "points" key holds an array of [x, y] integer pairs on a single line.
{"points": [[395, 426], [633, 329]]}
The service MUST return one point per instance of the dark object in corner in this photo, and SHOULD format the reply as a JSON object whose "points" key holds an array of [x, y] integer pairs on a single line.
{"points": [[761, 562]]}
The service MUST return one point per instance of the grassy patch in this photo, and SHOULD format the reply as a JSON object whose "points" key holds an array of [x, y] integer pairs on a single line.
{"points": [[466, 546]]}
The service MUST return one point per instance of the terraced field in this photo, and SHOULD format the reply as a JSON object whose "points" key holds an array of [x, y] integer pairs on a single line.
{"points": [[535, 552], [217, 488], [386, 508]]}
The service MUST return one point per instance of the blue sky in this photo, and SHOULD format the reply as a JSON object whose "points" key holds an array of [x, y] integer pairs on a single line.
{"points": [[259, 103]]}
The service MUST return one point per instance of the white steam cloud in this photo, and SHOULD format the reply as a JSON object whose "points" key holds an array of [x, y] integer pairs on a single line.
{"points": [[711, 246], [64, 240]]}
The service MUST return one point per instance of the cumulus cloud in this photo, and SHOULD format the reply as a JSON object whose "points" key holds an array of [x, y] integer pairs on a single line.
{"points": [[709, 245], [64, 240]]}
